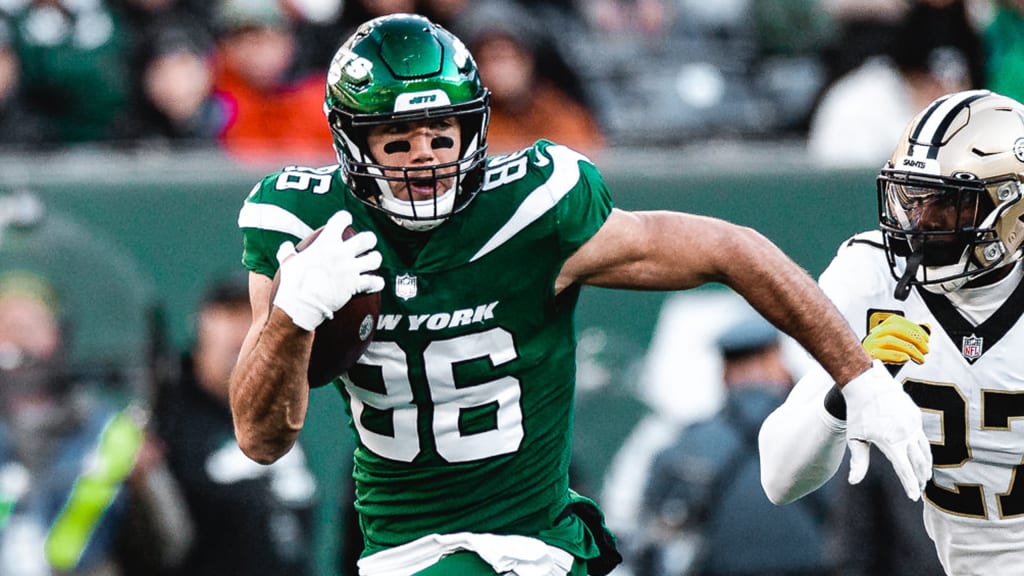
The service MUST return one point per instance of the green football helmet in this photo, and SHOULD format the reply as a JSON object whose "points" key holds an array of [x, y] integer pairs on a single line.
{"points": [[404, 68]]}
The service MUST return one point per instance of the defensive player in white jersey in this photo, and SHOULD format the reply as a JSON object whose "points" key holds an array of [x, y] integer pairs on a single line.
{"points": [[937, 294]]}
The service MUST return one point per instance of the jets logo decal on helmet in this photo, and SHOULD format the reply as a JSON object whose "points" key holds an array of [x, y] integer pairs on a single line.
{"points": [[345, 64], [421, 100]]}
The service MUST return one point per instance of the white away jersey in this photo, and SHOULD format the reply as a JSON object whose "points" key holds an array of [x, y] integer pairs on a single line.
{"points": [[971, 391]]}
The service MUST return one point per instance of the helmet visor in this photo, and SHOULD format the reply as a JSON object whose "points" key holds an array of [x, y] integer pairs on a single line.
{"points": [[935, 219]]}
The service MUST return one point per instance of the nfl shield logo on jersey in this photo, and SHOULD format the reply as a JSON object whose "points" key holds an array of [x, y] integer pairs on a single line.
{"points": [[405, 286], [972, 347]]}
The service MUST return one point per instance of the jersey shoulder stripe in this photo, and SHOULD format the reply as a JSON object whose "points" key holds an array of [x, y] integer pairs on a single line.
{"points": [[287, 205], [872, 239], [272, 218], [564, 176]]}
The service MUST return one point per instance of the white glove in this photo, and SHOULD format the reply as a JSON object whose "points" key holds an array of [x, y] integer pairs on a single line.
{"points": [[324, 276], [880, 412]]}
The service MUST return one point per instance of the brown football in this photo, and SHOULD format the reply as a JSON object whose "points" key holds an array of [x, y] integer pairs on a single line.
{"points": [[341, 340]]}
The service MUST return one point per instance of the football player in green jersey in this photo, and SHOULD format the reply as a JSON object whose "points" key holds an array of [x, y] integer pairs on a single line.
{"points": [[462, 405]]}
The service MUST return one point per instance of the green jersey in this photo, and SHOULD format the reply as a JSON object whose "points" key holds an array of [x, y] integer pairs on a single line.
{"points": [[463, 403]]}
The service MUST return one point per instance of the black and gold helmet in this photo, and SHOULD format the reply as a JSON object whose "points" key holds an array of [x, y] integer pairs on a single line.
{"points": [[962, 156], [403, 68]]}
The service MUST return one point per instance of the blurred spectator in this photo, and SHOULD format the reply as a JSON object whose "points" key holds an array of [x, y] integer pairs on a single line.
{"points": [[869, 28], [140, 14], [788, 68], [250, 519], [273, 114], [878, 530], [317, 27], [864, 28], [72, 490], [175, 103], [1003, 39], [355, 12], [320, 35], [792, 26], [138, 17], [444, 12], [19, 126], [929, 54], [369, 9], [525, 104], [626, 16], [74, 65], [703, 70], [704, 511], [314, 11]]}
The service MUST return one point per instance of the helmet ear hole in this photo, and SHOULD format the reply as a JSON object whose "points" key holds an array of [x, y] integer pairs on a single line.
{"points": [[336, 120], [985, 208]]}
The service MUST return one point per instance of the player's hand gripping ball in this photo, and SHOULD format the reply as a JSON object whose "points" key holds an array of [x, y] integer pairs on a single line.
{"points": [[325, 285]]}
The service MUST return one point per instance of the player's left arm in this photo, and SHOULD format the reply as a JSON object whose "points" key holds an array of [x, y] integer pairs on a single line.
{"points": [[676, 251]]}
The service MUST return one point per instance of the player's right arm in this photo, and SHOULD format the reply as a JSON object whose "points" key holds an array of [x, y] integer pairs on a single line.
{"points": [[269, 391], [269, 394]]}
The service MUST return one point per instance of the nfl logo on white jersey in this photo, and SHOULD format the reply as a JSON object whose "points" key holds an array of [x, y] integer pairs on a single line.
{"points": [[971, 348], [405, 286]]}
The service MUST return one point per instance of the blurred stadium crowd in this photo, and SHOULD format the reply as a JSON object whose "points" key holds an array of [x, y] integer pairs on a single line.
{"points": [[247, 75], [246, 78]]}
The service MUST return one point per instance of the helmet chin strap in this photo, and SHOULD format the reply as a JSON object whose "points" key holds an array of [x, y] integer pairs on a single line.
{"points": [[903, 285], [442, 207], [952, 285], [958, 283]]}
